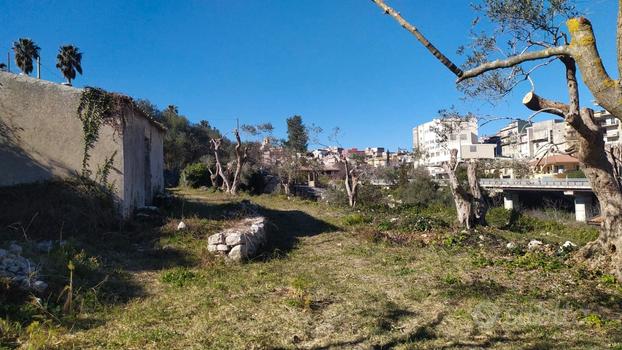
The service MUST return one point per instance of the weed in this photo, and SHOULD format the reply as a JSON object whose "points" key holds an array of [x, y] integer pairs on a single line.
{"points": [[608, 279], [593, 320], [532, 261], [421, 223], [39, 335], [385, 225], [300, 293], [479, 260], [450, 279], [179, 277], [356, 219]]}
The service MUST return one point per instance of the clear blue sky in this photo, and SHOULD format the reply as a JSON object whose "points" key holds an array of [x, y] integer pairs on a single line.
{"points": [[335, 62]]}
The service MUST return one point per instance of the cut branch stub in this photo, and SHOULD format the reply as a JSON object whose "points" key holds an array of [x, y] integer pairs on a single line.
{"points": [[537, 103]]}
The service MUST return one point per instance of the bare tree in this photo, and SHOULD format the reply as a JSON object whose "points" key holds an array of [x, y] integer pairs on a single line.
{"points": [[470, 203], [219, 170], [241, 154], [351, 181], [462, 198], [522, 21]]}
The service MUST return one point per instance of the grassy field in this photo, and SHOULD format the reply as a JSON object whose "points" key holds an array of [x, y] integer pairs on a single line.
{"points": [[330, 279]]}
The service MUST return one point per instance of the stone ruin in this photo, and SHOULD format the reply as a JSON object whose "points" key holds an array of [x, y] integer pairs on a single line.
{"points": [[20, 271], [241, 242]]}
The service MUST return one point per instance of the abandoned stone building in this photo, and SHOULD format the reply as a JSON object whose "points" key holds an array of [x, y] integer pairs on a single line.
{"points": [[42, 137]]}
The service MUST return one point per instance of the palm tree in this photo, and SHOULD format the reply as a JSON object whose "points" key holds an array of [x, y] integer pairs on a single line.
{"points": [[25, 51], [69, 60]]}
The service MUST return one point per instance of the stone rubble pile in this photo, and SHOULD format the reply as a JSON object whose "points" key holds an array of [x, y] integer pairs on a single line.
{"points": [[19, 270], [242, 241]]}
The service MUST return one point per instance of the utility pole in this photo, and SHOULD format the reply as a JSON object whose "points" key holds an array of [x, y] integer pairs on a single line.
{"points": [[38, 67], [8, 61]]}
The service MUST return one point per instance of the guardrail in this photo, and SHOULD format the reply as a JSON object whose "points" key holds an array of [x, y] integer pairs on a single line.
{"points": [[544, 183]]}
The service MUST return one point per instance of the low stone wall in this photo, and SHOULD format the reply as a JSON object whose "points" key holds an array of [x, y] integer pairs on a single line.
{"points": [[242, 241], [19, 270]]}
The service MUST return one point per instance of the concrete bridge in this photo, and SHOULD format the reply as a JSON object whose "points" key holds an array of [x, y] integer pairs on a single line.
{"points": [[579, 188]]}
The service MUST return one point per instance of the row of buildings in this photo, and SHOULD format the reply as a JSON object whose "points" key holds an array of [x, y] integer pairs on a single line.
{"points": [[542, 144]]}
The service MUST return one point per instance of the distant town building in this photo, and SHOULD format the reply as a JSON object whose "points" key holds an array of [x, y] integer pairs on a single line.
{"points": [[510, 140], [554, 165], [433, 140], [546, 137], [611, 126]]}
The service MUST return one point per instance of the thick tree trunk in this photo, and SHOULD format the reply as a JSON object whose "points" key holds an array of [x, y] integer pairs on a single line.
{"points": [[606, 251], [287, 187], [240, 159], [462, 198], [480, 208]]}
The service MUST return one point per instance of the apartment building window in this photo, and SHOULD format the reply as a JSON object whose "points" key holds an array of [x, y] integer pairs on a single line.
{"points": [[463, 137], [452, 137], [472, 148]]}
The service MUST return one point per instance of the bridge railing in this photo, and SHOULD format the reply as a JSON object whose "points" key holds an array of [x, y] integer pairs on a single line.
{"points": [[542, 183]]}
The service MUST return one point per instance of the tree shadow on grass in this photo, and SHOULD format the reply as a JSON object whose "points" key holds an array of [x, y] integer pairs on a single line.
{"points": [[423, 332], [525, 339], [286, 227], [115, 262]]}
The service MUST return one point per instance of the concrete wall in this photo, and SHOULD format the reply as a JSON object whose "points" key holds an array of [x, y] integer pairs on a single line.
{"points": [[41, 137], [142, 180], [478, 151]]}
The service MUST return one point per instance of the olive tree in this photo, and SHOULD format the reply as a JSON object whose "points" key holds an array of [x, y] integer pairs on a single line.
{"points": [[468, 198], [532, 33]]}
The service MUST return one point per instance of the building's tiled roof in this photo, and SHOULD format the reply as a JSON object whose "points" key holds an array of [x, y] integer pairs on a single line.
{"points": [[555, 159]]}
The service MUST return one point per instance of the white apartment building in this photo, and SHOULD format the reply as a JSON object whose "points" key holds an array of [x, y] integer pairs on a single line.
{"points": [[611, 126], [546, 137], [523, 140], [512, 139], [433, 141]]}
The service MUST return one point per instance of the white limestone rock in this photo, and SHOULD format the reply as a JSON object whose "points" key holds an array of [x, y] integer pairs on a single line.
{"points": [[238, 253], [181, 226], [15, 249], [567, 247], [216, 239], [242, 241], [40, 286], [234, 238], [534, 244]]}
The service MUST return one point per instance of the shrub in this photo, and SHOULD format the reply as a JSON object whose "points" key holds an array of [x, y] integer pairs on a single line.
{"points": [[421, 190], [355, 219], [371, 196], [499, 217], [336, 196], [195, 175], [575, 174], [422, 223]]}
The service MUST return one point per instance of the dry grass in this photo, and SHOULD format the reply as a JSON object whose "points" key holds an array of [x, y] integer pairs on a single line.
{"points": [[322, 286]]}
